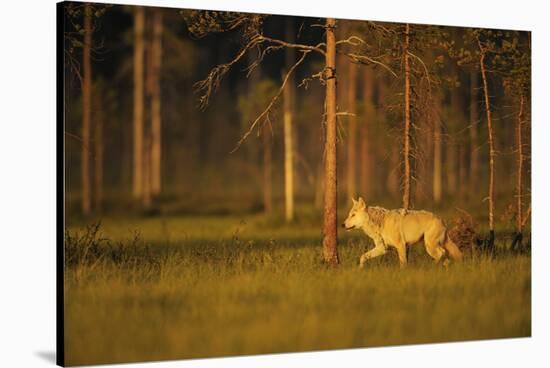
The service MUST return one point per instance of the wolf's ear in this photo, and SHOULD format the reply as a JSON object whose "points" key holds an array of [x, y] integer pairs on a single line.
{"points": [[354, 201], [361, 202]]}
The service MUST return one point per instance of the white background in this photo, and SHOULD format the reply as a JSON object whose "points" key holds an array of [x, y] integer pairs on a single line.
{"points": [[27, 181]]}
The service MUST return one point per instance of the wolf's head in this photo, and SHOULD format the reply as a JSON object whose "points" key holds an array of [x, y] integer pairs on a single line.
{"points": [[357, 215]]}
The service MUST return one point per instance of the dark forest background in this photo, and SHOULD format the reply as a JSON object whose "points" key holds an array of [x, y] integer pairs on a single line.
{"points": [[201, 175]]}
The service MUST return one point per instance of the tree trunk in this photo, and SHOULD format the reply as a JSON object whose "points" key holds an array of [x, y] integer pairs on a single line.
{"points": [[98, 152], [288, 129], [407, 130], [330, 227], [450, 167], [462, 175], [437, 162], [519, 183], [474, 118], [394, 171], [492, 152], [352, 131], [368, 114], [156, 136], [147, 157], [139, 21], [453, 144], [86, 109], [518, 237], [146, 186], [268, 190]]}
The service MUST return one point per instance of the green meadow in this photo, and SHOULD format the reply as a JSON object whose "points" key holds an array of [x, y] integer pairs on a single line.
{"points": [[174, 287]]}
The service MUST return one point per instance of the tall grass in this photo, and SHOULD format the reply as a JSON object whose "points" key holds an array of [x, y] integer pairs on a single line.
{"points": [[202, 287]]}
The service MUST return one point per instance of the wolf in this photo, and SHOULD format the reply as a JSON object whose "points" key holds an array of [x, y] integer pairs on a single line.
{"points": [[400, 228]]}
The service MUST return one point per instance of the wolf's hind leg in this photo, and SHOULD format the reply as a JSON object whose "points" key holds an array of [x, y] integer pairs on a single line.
{"points": [[434, 250]]}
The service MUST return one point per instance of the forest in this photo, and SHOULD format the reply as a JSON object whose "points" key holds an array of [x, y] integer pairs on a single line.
{"points": [[206, 147]]}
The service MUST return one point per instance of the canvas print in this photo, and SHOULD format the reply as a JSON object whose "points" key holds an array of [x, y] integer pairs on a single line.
{"points": [[237, 183]]}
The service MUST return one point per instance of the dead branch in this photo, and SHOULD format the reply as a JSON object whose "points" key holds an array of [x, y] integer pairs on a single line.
{"points": [[366, 60], [212, 82], [273, 100], [352, 40]]}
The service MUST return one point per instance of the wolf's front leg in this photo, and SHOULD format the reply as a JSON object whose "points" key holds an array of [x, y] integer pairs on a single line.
{"points": [[378, 250]]}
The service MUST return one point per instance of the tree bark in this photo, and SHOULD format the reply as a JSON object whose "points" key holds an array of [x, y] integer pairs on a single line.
{"points": [[86, 110], [473, 130], [288, 129], [156, 127], [352, 131], [519, 183], [268, 190], [330, 226], [407, 130], [437, 162], [492, 152], [139, 22], [98, 153], [368, 114]]}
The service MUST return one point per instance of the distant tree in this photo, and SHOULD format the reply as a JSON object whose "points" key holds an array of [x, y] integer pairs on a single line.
{"points": [[138, 113], [483, 49], [156, 123], [98, 147], [86, 109], [82, 19], [351, 106], [473, 129], [365, 170], [479, 45], [407, 129], [514, 62], [437, 157], [288, 115]]}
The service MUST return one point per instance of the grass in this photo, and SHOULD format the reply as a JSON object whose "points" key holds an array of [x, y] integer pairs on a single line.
{"points": [[186, 287]]}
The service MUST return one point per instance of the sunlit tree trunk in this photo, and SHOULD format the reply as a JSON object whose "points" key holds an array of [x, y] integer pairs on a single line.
{"points": [[330, 240], [86, 110], [288, 129], [519, 183], [474, 118], [437, 161], [147, 155], [365, 172], [519, 187], [156, 136], [98, 152], [267, 158], [452, 146], [139, 22], [146, 186], [407, 130], [492, 152], [462, 173], [352, 131]]}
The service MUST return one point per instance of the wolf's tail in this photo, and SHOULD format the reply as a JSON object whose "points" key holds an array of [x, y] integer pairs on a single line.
{"points": [[452, 249]]}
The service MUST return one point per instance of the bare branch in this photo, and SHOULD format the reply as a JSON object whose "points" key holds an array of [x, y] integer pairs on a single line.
{"points": [[306, 80], [363, 59], [316, 48], [352, 40], [212, 82], [273, 100], [345, 113]]}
